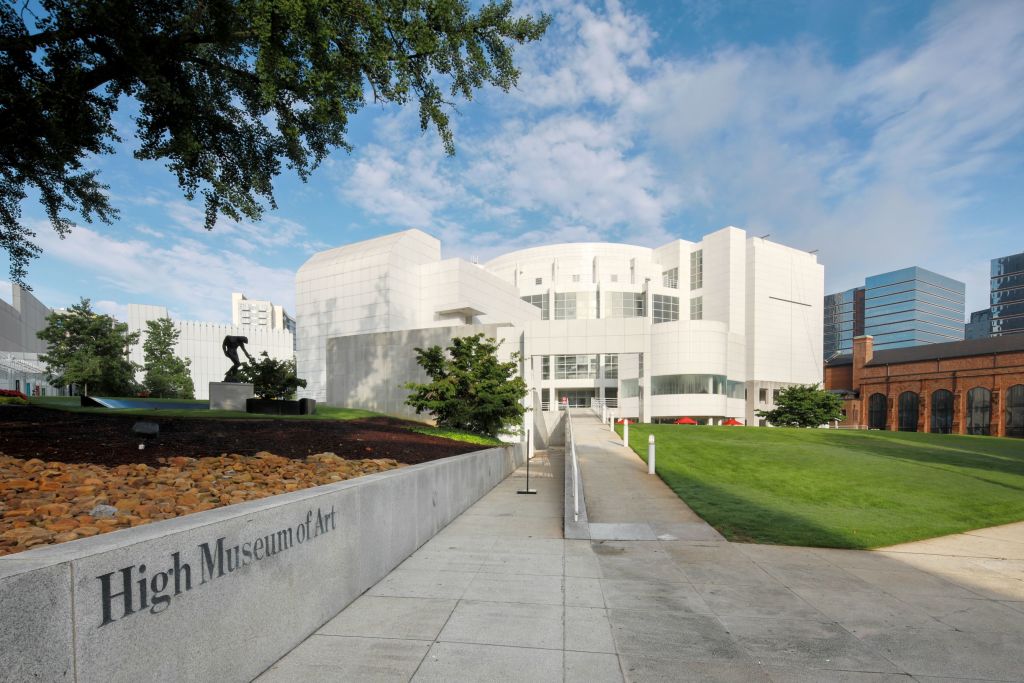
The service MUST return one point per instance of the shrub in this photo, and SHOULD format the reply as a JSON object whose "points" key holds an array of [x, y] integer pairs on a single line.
{"points": [[12, 401]]}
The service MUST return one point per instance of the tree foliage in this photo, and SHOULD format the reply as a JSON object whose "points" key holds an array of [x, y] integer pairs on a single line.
{"points": [[227, 90], [90, 350], [804, 405], [271, 378], [470, 388], [167, 375]]}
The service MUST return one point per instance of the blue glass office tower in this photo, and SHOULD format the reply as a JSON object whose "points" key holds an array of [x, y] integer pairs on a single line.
{"points": [[1008, 295], [913, 306], [844, 320], [903, 308]]}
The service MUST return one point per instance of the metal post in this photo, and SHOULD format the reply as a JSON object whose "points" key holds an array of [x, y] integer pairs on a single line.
{"points": [[625, 432], [650, 454]]}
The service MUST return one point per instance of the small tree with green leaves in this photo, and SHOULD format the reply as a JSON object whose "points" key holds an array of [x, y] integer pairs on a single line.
{"points": [[90, 350], [167, 375], [272, 378], [804, 405], [470, 388]]}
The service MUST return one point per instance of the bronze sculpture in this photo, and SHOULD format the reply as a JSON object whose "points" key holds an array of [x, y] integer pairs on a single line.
{"points": [[230, 346]]}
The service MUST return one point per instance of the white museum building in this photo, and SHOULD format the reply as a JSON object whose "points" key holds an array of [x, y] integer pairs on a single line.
{"points": [[709, 330], [200, 342]]}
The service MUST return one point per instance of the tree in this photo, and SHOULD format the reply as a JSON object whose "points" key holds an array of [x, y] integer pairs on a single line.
{"points": [[89, 349], [167, 375], [470, 388], [804, 405], [271, 378], [227, 90]]}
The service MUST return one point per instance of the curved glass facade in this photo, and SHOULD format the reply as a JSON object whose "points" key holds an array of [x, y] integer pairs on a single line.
{"points": [[662, 385]]}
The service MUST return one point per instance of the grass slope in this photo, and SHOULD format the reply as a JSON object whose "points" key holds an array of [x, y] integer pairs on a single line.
{"points": [[840, 489]]}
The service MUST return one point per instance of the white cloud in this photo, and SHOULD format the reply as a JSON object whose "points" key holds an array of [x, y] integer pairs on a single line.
{"points": [[186, 274], [111, 308]]}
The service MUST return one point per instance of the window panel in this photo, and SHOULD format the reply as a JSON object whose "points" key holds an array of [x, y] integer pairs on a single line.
{"points": [[664, 308], [670, 278], [625, 305], [697, 308], [541, 301], [696, 269], [576, 366], [611, 366]]}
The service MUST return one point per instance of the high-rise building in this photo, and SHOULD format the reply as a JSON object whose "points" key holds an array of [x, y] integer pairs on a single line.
{"points": [[258, 313], [844, 320], [980, 325], [901, 308], [913, 306], [1008, 295]]}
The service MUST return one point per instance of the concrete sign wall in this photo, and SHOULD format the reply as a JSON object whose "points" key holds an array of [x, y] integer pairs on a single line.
{"points": [[222, 594]]}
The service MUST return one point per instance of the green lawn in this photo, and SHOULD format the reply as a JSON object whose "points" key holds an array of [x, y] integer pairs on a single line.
{"points": [[837, 488], [73, 404]]}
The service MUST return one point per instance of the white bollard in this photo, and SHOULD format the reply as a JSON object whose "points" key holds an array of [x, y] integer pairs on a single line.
{"points": [[625, 432], [650, 454]]}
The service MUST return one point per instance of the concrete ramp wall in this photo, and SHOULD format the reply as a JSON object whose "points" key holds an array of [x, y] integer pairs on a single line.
{"points": [[221, 595]]}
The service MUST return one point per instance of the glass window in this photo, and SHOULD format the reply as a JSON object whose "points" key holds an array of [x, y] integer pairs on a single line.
{"points": [[697, 308], [942, 412], [979, 410], [614, 277], [696, 270], [736, 389], [565, 305], [876, 411], [775, 395], [538, 281], [577, 398], [541, 301], [545, 367], [908, 410], [689, 384], [664, 308], [1015, 411], [630, 388], [611, 366], [575, 278], [763, 395], [670, 278], [625, 305], [576, 367]]}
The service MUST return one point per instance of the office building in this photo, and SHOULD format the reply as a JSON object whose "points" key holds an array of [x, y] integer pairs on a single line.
{"points": [[709, 329], [1008, 295], [20, 368], [258, 313], [980, 324], [901, 308]]}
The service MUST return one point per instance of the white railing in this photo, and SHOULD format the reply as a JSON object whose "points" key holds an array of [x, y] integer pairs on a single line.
{"points": [[571, 444]]}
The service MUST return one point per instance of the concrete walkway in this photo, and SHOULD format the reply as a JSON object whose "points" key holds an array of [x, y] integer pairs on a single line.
{"points": [[500, 596]]}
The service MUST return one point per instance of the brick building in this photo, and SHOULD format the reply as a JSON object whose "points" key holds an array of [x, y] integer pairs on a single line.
{"points": [[974, 386]]}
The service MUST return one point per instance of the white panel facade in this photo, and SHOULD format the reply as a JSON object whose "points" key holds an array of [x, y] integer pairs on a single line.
{"points": [[713, 319], [201, 343]]}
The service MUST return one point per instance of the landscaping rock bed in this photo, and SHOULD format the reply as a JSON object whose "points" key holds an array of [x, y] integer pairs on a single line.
{"points": [[51, 502], [67, 475]]}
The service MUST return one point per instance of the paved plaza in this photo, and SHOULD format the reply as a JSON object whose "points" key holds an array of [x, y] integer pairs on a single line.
{"points": [[499, 595]]}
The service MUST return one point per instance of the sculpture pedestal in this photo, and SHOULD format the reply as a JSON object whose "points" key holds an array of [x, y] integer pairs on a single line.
{"points": [[229, 395]]}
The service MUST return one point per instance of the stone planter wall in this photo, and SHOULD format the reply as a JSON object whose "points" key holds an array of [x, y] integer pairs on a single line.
{"points": [[221, 595]]}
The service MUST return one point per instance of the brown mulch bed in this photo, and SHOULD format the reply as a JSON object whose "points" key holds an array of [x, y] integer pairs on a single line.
{"points": [[54, 435]]}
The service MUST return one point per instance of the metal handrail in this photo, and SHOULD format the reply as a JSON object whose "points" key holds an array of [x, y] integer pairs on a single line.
{"points": [[575, 466]]}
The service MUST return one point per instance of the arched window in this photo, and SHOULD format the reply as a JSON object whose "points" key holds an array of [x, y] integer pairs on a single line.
{"points": [[942, 411], [876, 411], [1015, 411], [979, 410], [908, 408]]}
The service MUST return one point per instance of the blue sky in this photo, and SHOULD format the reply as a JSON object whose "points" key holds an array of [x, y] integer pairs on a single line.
{"points": [[881, 134]]}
